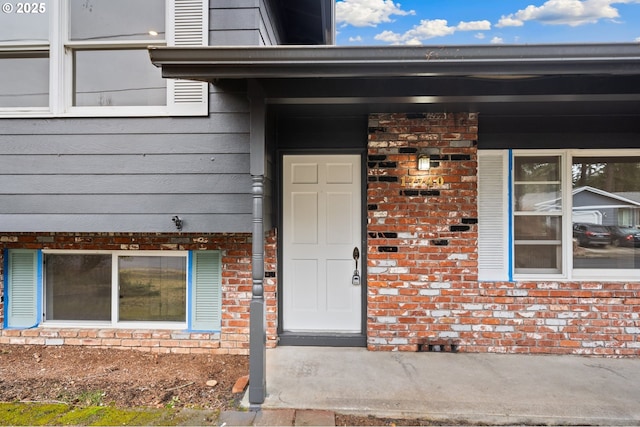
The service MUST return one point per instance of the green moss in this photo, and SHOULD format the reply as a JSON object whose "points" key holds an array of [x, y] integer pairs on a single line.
{"points": [[35, 414], [30, 414], [113, 416]]}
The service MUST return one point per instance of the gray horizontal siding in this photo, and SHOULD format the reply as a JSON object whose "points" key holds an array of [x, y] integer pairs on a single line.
{"points": [[123, 184], [126, 204], [241, 23], [128, 174], [102, 164], [216, 123], [134, 174], [142, 223], [149, 144]]}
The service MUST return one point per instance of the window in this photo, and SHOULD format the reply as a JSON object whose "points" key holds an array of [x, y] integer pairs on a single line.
{"points": [[537, 221], [606, 212], [24, 57], [79, 58], [564, 214], [142, 289]]}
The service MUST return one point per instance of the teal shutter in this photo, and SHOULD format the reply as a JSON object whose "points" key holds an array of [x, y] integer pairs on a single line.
{"points": [[22, 289], [206, 293]]}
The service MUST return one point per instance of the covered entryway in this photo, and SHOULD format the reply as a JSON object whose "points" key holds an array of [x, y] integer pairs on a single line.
{"points": [[321, 232]]}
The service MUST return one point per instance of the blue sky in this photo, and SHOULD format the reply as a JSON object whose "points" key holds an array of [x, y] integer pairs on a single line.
{"points": [[438, 22]]}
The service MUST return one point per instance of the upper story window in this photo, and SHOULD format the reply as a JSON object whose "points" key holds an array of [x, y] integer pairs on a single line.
{"points": [[89, 57]]}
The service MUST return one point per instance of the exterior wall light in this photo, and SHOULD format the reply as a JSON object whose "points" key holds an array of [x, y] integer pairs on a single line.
{"points": [[424, 162]]}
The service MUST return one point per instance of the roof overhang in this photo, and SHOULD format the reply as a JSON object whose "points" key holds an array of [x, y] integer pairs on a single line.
{"points": [[593, 79], [211, 63]]}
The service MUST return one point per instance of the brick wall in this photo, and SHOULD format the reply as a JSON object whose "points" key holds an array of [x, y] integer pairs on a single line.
{"points": [[422, 230], [423, 291], [236, 292]]}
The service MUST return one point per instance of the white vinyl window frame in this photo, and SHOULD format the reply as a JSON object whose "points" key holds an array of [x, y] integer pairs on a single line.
{"points": [[496, 218], [564, 214], [186, 25], [24, 288], [115, 322]]}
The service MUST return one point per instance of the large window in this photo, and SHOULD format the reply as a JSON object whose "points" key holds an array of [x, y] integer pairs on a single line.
{"points": [[146, 289], [106, 287], [83, 58], [564, 214], [606, 212]]}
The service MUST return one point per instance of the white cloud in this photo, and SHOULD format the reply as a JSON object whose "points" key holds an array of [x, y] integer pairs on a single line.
{"points": [[509, 21], [429, 29], [565, 12], [638, 40], [355, 39], [413, 42], [389, 37], [497, 40], [474, 26], [480, 36], [368, 13]]}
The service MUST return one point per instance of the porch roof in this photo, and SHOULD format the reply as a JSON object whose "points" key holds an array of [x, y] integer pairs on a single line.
{"points": [[211, 63], [588, 79]]}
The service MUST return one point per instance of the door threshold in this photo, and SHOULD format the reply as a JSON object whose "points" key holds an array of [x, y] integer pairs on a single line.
{"points": [[322, 339]]}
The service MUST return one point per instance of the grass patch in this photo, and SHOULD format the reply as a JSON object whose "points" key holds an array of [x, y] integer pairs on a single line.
{"points": [[38, 414]]}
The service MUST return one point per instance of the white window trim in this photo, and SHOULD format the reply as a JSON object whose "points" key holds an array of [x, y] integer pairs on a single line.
{"points": [[61, 70], [563, 214], [114, 323], [568, 272]]}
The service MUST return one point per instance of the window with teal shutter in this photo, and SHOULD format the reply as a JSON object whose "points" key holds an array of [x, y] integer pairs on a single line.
{"points": [[21, 296], [206, 292]]}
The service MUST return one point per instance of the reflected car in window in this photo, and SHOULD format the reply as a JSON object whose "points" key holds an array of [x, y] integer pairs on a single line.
{"points": [[624, 236], [591, 234]]}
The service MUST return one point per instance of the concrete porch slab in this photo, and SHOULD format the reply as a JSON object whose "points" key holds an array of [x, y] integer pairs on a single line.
{"points": [[476, 388]]}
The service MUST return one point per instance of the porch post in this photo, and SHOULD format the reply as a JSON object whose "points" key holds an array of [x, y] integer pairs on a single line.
{"points": [[257, 328], [258, 336]]}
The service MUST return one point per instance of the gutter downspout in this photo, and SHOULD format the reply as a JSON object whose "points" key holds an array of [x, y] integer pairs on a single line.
{"points": [[257, 329]]}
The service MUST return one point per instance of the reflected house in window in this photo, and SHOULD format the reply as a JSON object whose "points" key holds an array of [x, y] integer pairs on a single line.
{"points": [[595, 206]]}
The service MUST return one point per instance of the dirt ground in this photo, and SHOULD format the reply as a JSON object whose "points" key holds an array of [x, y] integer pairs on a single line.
{"points": [[86, 376], [125, 378]]}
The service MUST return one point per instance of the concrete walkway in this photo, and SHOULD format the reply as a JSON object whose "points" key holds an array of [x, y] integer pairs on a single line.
{"points": [[473, 388]]}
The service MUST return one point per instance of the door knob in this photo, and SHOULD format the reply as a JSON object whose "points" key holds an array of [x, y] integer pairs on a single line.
{"points": [[355, 279]]}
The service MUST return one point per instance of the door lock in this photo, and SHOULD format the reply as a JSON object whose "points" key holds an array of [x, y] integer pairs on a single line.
{"points": [[355, 279]]}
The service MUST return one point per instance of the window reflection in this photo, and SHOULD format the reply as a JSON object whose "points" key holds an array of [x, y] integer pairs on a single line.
{"points": [[117, 78], [25, 80], [18, 28], [116, 19], [152, 288], [606, 212], [78, 287]]}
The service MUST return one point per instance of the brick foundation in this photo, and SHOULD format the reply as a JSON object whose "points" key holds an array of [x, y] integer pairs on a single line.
{"points": [[423, 292], [233, 338]]}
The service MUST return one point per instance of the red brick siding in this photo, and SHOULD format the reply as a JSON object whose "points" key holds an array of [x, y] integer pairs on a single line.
{"points": [[422, 259], [236, 292]]}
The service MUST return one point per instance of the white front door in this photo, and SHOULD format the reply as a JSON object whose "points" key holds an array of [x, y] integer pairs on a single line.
{"points": [[321, 228]]}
